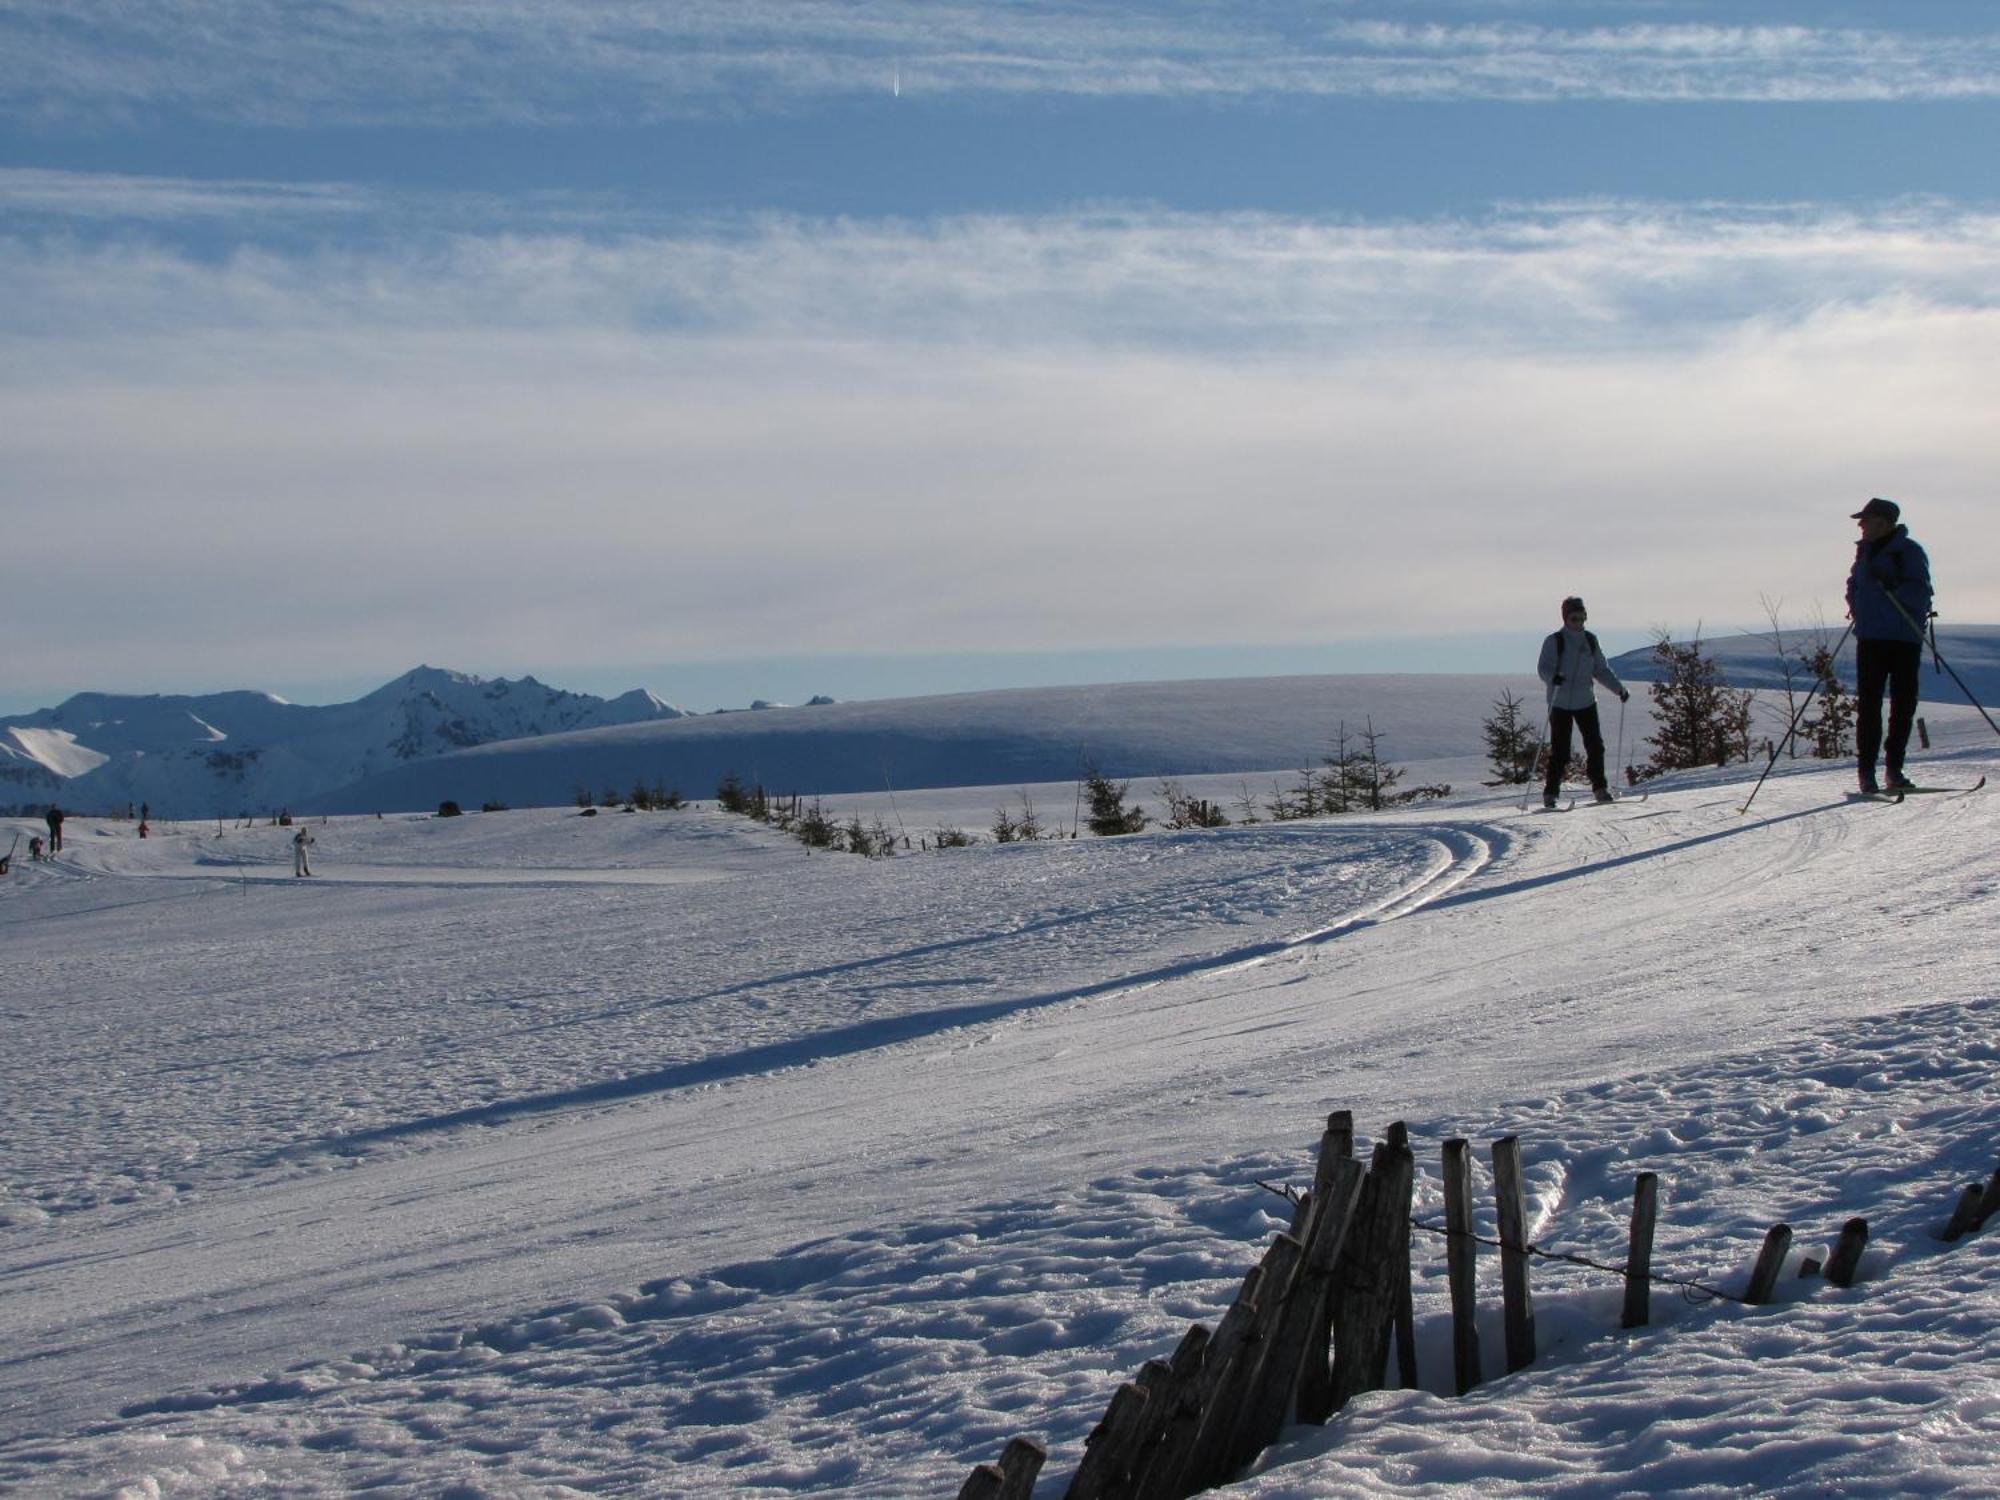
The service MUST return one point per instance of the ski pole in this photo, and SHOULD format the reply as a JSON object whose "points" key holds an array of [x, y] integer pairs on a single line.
{"points": [[1623, 700], [1548, 714], [1791, 728], [1938, 656]]}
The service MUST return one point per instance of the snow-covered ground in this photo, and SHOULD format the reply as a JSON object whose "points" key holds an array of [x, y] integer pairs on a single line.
{"points": [[525, 1154]]}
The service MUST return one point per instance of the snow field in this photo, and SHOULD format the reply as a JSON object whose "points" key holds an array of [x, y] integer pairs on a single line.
{"points": [[717, 1169]]}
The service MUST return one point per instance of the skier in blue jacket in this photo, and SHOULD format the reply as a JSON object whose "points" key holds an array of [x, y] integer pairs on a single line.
{"points": [[1571, 662], [1890, 570]]}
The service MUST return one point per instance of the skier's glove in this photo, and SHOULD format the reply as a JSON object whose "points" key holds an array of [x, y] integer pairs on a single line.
{"points": [[1557, 680], [1624, 696]]}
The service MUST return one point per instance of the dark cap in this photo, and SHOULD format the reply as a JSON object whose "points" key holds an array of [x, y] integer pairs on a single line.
{"points": [[1572, 602], [1888, 510]]}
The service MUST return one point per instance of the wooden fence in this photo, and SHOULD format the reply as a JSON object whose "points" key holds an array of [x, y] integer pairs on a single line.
{"points": [[1315, 1322]]}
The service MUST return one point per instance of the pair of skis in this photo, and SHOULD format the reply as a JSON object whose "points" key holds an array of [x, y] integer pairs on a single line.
{"points": [[1574, 803], [1893, 797]]}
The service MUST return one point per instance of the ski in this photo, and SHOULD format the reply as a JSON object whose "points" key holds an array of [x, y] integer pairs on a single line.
{"points": [[1940, 791], [1889, 798]]}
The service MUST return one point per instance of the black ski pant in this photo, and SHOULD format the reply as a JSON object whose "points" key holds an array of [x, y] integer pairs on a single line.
{"points": [[1585, 720], [1879, 664]]}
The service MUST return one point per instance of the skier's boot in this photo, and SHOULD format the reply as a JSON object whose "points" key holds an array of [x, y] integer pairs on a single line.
{"points": [[1603, 794], [1549, 801], [1898, 782]]}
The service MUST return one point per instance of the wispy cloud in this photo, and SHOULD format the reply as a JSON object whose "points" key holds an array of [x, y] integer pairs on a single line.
{"points": [[1592, 275], [28, 194], [288, 62]]}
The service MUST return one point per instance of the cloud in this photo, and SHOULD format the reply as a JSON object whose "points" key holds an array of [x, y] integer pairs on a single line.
{"points": [[330, 62], [30, 194], [1576, 276], [514, 451]]}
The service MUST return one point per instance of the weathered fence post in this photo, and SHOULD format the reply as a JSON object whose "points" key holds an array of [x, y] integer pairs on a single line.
{"points": [[1339, 1136], [1990, 1204], [1219, 1449], [1315, 1383], [1368, 1276], [1173, 1417], [1846, 1257], [1519, 1303], [1170, 1471], [1770, 1261], [1019, 1465], [1461, 1253], [984, 1483], [1293, 1341], [1107, 1451], [1965, 1218], [1639, 1259], [1398, 1135]]}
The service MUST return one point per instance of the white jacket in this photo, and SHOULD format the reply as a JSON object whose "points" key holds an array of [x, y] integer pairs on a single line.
{"points": [[1575, 657]]}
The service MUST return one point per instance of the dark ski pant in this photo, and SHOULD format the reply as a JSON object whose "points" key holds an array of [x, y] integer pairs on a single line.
{"points": [[1585, 719], [1879, 664]]}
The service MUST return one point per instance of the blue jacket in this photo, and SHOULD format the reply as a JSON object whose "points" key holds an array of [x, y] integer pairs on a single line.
{"points": [[1893, 565]]}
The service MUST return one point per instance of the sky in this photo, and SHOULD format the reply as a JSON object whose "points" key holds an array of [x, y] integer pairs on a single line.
{"points": [[773, 347]]}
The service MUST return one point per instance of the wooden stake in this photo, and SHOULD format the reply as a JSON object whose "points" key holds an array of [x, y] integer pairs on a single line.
{"points": [[1965, 1218], [1019, 1465], [1180, 1411], [1107, 1450], [983, 1483], [1398, 1135], [1461, 1263], [1639, 1259], [1770, 1261], [1519, 1303], [1225, 1444], [1315, 1390], [1162, 1386], [1292, 1341], [1989, 1204], [1846, 1257], [1368, 1276], [1173, 1472], [1339, 1137]]}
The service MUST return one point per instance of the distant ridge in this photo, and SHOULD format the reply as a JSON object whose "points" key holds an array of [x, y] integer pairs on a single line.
{"points": [[224, 753], [1751, 660], [998, 738]]}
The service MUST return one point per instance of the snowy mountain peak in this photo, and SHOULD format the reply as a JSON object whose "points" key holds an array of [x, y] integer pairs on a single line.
{"points": [[252, 751]]}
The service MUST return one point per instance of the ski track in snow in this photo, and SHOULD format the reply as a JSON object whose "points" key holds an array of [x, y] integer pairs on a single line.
{"points": [[1026, 1094]]}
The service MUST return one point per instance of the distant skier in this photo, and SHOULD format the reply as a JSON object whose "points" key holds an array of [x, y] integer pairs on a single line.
{"points": [[301, 842], [54, 818], [1571, 661], [1888, 599]]}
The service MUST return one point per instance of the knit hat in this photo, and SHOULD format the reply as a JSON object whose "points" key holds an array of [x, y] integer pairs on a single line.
{"points": [[1572, 603]]}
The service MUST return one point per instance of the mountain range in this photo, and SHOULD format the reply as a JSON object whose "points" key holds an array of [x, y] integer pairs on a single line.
{"points": [[225, 753]]}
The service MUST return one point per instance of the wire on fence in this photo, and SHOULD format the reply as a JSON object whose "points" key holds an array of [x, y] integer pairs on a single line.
{"points": [[1694, 1291]]}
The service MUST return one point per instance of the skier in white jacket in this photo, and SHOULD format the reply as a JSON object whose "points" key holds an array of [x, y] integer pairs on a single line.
{"points": [[301, 842], [1571, 663]]}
